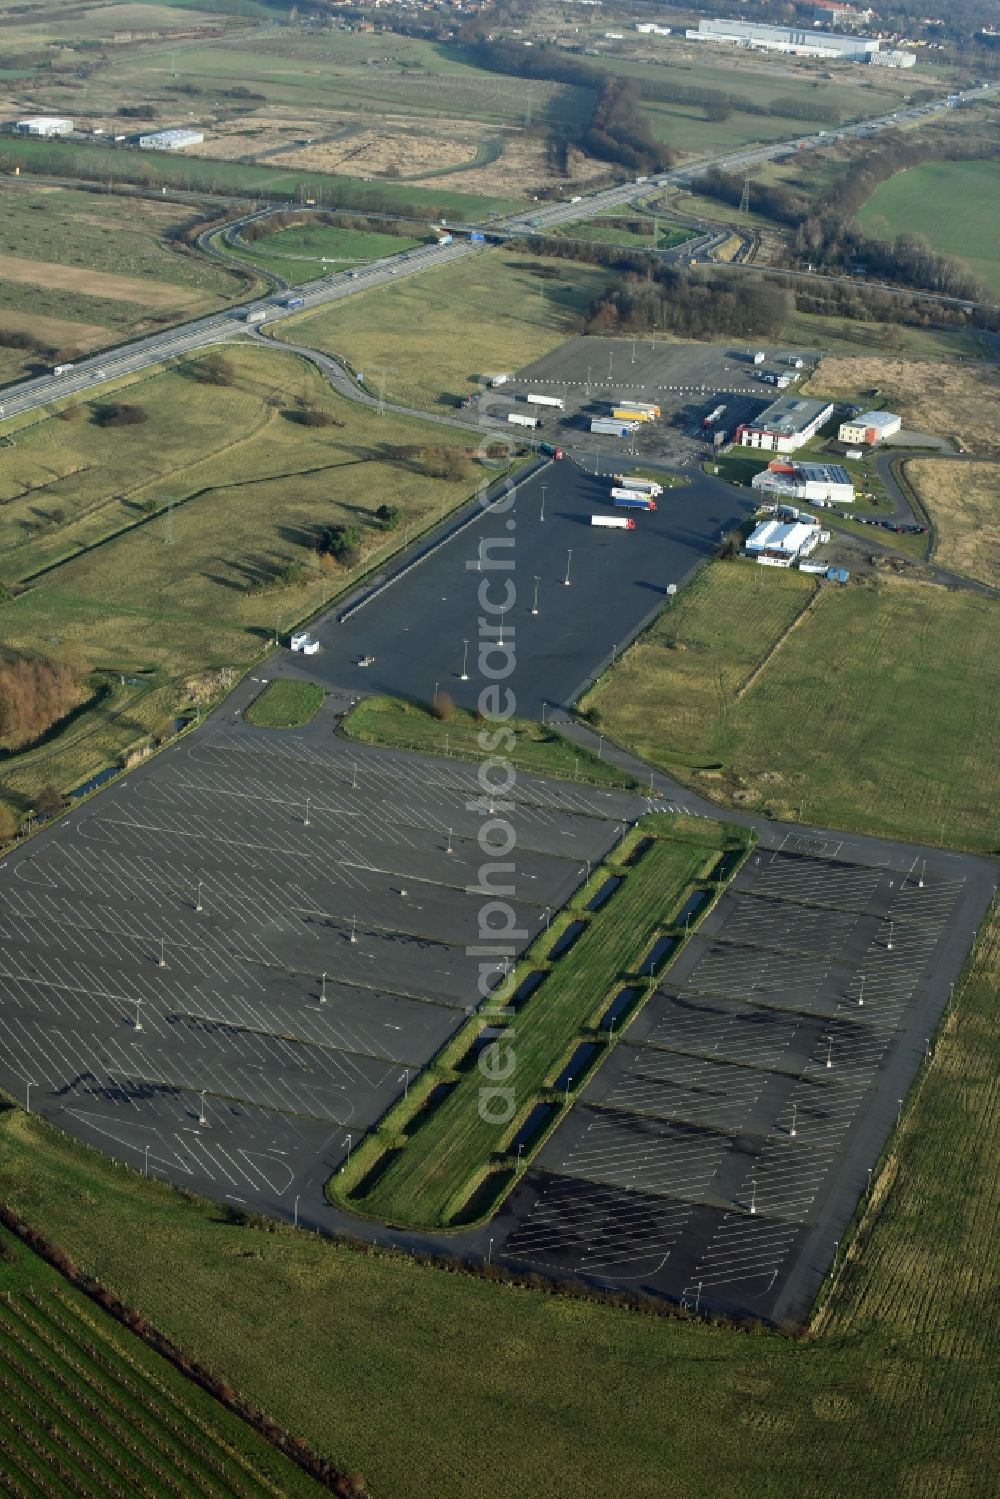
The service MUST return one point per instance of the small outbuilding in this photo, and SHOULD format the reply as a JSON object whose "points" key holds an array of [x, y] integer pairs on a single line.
{"points": [[870, 428]]}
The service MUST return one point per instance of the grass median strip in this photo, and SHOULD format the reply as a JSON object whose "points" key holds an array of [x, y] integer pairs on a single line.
{"points": [[539, 750], [285, 705], [506, 1060]]}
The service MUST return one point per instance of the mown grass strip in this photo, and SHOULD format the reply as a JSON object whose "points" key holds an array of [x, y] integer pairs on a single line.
{"points": [[539, 749], [437, 1168], [286, 705]]}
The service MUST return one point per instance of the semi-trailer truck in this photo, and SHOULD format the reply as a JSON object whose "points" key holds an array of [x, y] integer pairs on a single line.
{"points": [[651, 410], [632, 481], [556, 402], [295, 302], [517, 420], [630, 414], [634, 502], [606, 426], [255, 317], [613, 522], [629, 494], [713, 416]]}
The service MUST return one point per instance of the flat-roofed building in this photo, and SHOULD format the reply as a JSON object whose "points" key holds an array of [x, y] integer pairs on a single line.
{"points": [[816, 483], [786, 425], [779, 543]]}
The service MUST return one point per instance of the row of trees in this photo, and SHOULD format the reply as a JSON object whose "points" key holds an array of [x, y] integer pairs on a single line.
{"points": [[35, 693]]}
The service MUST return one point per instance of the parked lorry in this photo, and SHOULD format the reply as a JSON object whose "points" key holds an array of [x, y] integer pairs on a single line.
{"points": [[651, 411], [630, 414], [608, 427], [613, 522], [496, 380], [255, 317], [624, 500], [61, 369], [517, 420], [295, 302], [629, 494], [759, 357], [551, 451], [713, 416], [533, 399], [631, 481]]}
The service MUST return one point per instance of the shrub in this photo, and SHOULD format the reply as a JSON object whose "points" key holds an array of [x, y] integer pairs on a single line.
{"points": [[214, 369], [342, 543], [119, 414], [443, 706], [49, 801], [310, 416], [388, 517]]}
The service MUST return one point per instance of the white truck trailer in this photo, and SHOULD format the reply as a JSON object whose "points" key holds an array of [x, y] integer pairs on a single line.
{"points": [[613, 522], [632, 481], [609, 426], [556, 402], [517, 420], [255, 317]]}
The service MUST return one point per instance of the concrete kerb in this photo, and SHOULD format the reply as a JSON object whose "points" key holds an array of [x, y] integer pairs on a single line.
{"points": [[495, 493]]}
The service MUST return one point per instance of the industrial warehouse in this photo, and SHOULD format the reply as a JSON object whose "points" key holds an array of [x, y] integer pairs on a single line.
{"points": [[799, 42], [818, 483], [778, 543], [786, 425]]}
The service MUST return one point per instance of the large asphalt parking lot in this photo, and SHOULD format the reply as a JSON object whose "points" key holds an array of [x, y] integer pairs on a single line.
{"points": [[172, 935], [416, 628], [222, 969]]}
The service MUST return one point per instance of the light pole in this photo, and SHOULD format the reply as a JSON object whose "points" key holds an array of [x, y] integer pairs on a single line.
{"points": [[546, 917], [354, 777], [503, 611], [888, 945], [27, 1097], [829, 1051], [753, 1196], [145, 1160], [541, 513], [163, 955], [449, 849], [404, 1078], [544, 706], [348, 1161], [489, 1254], [322, 990], [198, 905], [201, 1113], [138, 1023], [569, 559], [569, 1083], [600, 746], [354, 929], [795, 1113], [861, 994], [899, 1113], [534, 602], [305, 820], [465, 660], [869, 1188], [295, 1212]]}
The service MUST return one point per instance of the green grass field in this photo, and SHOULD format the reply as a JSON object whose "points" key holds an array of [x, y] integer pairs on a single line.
{"points": [[441, 1384], [86, 1408], [538, 750], [494, 311], [878, 710], [618, 232], [954, 205], [434, 1172], [154, 551], [286, 705], [301, 252]]}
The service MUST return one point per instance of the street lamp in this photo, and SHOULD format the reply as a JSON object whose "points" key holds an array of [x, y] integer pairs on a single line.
{"points": [[829, 1051], [541, 513], [795, 1112], [449, 849], [198, 905], [145, 1160], [163, 956], [569, 559], [354, 929], [295, 1211], [888, 945], [305, 820], [753, 1196], [138, 1023], [861, 994], [322, 990], [465, 660], [534, 604], [27, 1097], [201, 1113]]}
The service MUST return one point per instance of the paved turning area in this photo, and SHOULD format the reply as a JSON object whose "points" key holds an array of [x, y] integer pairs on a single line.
{"points": [[225, 967], [169, 940], [719, 1153]]}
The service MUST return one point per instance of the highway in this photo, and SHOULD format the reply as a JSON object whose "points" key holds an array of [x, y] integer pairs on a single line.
{"points": [[84, 375]]}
